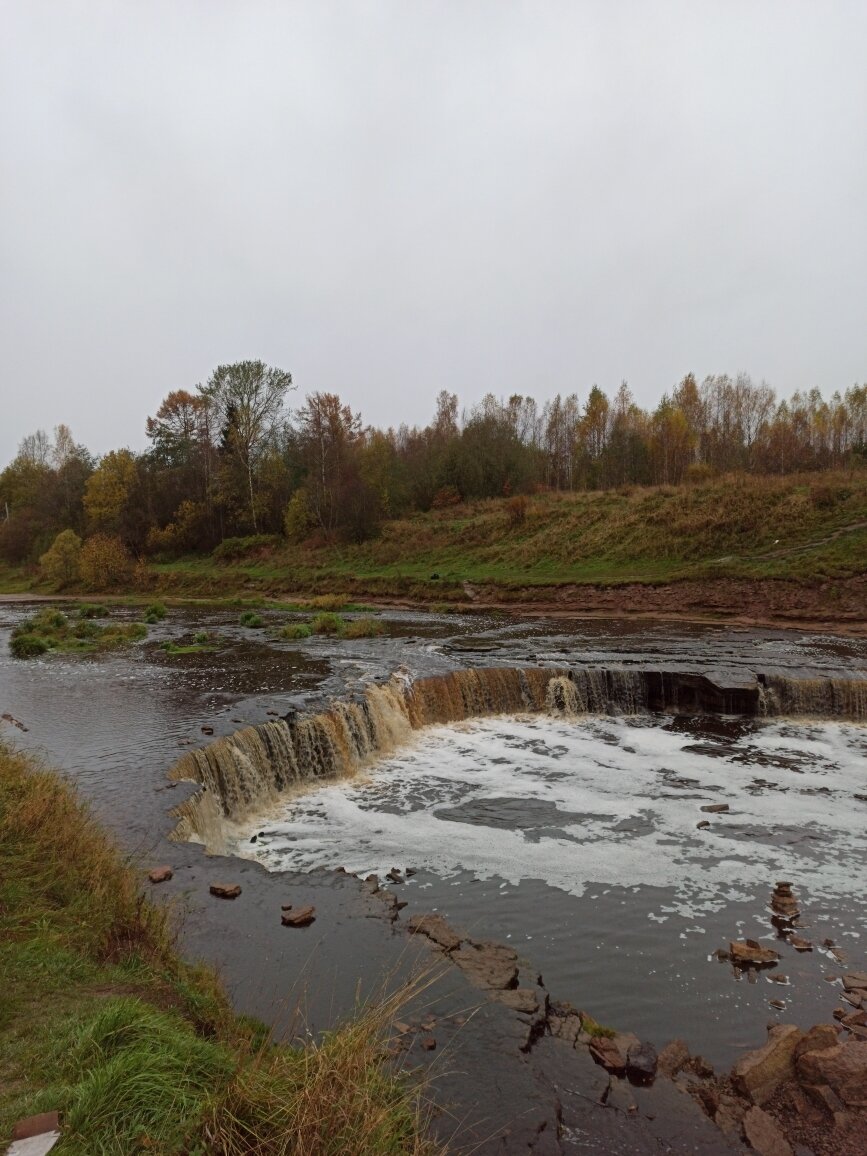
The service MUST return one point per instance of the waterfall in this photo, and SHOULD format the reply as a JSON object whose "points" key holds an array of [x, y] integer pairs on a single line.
{"points": [[244, 772]]}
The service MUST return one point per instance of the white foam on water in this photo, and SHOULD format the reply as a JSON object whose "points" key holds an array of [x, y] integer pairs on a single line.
{"points": [[612, 801]]}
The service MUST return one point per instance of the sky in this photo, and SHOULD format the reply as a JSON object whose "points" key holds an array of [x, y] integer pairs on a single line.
{"points": [[394, 197]]}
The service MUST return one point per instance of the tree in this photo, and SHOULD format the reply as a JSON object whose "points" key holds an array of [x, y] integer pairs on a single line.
{"points": [[249, 396], [328, 432], [61, 561], [109, 491]]}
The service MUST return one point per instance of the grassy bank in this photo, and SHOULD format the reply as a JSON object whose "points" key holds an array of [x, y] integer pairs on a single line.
{"points": [[139, 1050], [806, 529]]}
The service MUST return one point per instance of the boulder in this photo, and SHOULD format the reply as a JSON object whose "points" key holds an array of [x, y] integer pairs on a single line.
{"points": [[763, 1135], [758, 1074], [298, 917], [715, 808], [855, 981], [641, 1063], [672, 1058], [436, 929], [606, 1053], [843, 1068], [749, 953], [160, 874], [488, 965], [817, 1039], [226, 890]]}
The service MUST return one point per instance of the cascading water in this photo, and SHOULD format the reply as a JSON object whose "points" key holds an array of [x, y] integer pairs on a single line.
{"points": [[244, 772]]}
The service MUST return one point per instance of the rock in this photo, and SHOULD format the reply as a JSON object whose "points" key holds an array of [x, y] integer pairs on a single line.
{"points": [[428, 1043], [436, 929], [401, 1028], [488, 965], [226, 890], [207, 730], [394, 876], [566, 1027], [749, 953], [758, 1074], [822, 1095], [843, 1068], [855, 1020], [729, 1115], [703, 825], [672, 1058], [778, 1004], [800, 944], [300, 917], [520, 999], [817, 1039], [715, 808], [36, 1126], [641, 1063], [160, 874], [763, 1135], [701, 1067], [618, 1096], [606, 1053], [854, 998], [410, 871], [855, 981]]}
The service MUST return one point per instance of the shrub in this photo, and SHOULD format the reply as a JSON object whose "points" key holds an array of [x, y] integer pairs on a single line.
{"points": [[330, 602], [446, 496], [364, 628], [696, 473], [233, 549], [156, 612], [296, 520], [60, 563], [201, 637], [251, 619], [516, 510], [28, 645], [327, 624], [92, 610], [104, 562], [295, 630]]}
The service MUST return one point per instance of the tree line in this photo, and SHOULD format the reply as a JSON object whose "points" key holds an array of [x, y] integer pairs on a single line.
{"points": [[230, 459]]}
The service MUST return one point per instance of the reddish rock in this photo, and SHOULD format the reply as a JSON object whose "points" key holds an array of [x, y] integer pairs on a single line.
{"points": [[606, 1052], [436, 929], [298, 917], [855, 981], [749, 953], [160, 874], [843, 1068], [715, 808], [763, 1135], [822, 1096], [672, 1058], [758, 1074], [817, 1039], [800, 944], [226, 890], [428, 1043]]}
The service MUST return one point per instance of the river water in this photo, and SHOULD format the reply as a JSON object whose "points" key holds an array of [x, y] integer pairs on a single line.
{"points": [[574, 839]]}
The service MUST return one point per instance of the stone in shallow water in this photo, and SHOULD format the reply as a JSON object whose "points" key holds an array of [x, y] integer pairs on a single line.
{"points": [[300, 917], [749, 953], [226, 890], [716, 808], [436, 929]]}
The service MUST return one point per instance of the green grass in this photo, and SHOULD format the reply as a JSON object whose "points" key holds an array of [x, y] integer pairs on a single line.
{"points": [[139, 1050], [50, 629], [295, 630], [251, 619]]}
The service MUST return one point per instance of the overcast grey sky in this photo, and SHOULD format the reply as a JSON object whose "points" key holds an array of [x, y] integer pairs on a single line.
{"points": [[389, 198]]}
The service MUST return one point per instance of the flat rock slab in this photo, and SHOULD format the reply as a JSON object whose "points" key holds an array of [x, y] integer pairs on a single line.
{"points": [[436, 929], [749, 953], [764, 1136], [226, 890], [488, 965], [715, 808], [298, 917]]}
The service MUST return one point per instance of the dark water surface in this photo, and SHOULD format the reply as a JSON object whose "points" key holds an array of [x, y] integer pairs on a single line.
{"points": [[630, 939]]}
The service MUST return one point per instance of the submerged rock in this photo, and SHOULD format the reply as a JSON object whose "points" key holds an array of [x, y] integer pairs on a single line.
{"points": [[436, 929], [749, 953]]}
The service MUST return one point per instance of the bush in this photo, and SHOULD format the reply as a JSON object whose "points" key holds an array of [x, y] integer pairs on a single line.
{"points": [[295, 630], [28, 645], [104, 562], [60, 563], [445, 497], [234, 549], [364, 628], [296, 520], [516, 510], [327, 624], [331, 602], [157, 610], [201, 637], [251, 619], [92, 610]]}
